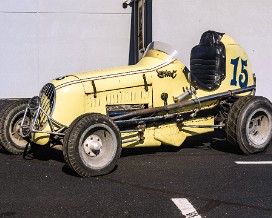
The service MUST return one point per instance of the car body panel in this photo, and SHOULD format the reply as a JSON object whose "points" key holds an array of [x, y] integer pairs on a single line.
{"points": [[144, 84]]}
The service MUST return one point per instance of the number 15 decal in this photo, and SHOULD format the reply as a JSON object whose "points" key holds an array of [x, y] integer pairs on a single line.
{"points": [[242, 83]]}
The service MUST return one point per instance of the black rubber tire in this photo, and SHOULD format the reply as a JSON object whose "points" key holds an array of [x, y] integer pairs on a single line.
{"points": [[5, 103], [64, 149], [67, 133], [252, 124], [234, 113], [10, 118], [75, 155]]}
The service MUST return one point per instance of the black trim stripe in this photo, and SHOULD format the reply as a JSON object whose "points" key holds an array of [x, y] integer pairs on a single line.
{"points": [[113, 75]]}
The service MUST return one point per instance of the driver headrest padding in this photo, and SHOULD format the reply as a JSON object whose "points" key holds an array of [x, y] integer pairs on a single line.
{"points": [[208, 61], [211, 38]]}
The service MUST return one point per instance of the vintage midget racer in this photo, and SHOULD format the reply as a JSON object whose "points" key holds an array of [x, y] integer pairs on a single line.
{"points": [[157, 101]]}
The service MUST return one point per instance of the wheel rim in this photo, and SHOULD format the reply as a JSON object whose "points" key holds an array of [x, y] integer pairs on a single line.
{"points": [[259, 127], [14, 129], [97, 146]]}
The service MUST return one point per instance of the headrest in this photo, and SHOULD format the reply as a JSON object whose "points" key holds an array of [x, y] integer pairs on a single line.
{"points": [[211, 38]]}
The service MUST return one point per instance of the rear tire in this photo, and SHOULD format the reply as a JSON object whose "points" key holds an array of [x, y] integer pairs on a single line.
{"points": [[9, 127], [92, 145], [234, 113], [249, 124]]}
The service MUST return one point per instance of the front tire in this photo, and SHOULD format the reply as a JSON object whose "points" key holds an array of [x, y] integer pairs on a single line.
{"points": [[92, 145], [252, 124], [10, 122]]}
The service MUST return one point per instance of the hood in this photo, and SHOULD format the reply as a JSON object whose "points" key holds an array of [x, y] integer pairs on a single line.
{"points": [[112, 78], [64, 81]]}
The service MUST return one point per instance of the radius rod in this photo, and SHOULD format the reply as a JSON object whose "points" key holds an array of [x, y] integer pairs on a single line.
{"points": [[175, 106]]}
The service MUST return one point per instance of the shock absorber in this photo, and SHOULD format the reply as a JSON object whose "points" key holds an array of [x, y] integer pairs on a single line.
{"points": [[184, 95]]}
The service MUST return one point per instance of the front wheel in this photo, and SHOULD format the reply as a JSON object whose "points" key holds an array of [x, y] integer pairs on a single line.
{"points": [[10, 122], [92, 145]]}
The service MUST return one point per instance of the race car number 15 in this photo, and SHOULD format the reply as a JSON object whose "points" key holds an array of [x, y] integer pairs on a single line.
{"points": [[243, 77]]}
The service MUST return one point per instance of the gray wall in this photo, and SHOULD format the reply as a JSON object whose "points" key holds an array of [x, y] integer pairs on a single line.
{"points": [[44, 39], [181, 23]]}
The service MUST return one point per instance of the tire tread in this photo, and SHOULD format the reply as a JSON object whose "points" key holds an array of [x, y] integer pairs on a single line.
{"points": [[234, 113]]}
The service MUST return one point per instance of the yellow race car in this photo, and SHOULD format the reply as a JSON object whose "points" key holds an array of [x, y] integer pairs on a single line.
{"points": [[157, 101]]}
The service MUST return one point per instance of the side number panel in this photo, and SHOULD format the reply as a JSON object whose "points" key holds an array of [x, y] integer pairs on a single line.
{"points": [[243, 77]]}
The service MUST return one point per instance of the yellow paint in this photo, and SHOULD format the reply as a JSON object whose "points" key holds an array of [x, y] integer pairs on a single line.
{"points": [[149, 140], [91, 92]]}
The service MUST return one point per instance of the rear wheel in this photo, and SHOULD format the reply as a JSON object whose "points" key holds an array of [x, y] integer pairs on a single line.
{"points": [[92, 145], [10, 122], [252, 124], [234, 113]]}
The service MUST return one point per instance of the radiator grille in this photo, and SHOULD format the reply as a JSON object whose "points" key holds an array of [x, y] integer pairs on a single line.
{"points": [[48, 98]]}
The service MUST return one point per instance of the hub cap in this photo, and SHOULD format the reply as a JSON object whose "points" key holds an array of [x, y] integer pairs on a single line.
{"points": [[259, 127], [92, 145], [97, 146], [14, 129]]}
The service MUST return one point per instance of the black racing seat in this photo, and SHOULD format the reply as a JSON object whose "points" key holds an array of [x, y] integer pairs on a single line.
{"points": [[208, 62]]}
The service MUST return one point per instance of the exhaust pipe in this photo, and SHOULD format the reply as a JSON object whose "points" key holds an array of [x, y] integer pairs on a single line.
{"points": [[175, 106]]}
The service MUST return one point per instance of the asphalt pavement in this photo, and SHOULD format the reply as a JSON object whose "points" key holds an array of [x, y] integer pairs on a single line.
{"points": [[204, 172]]}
